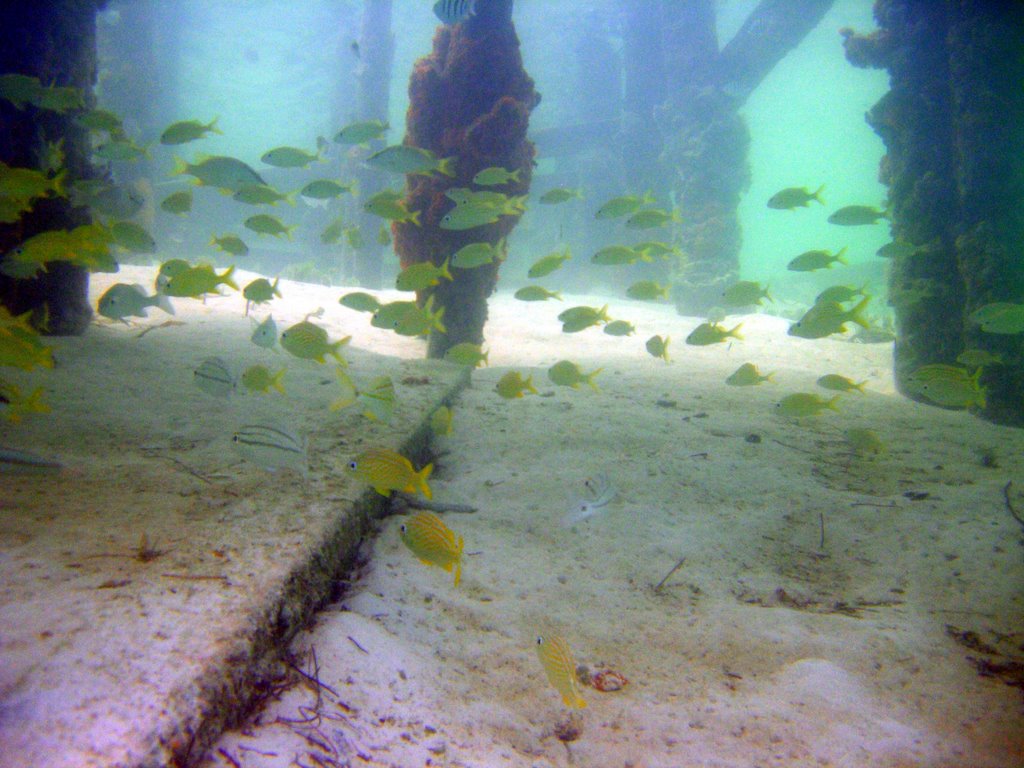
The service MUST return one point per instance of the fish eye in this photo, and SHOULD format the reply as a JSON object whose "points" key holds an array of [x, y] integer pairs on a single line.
{"points": [[352, 465], [403, 528], [540, 640], [234, 438]]}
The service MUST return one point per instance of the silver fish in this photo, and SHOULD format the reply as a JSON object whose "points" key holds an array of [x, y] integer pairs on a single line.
{"points": [[215, 378], [18, 462], [600, 493], [271, 447], [265, 334]]}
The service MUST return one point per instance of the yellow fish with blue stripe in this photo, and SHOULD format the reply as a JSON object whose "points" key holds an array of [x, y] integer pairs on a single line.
{"points": [[388, 471], [433, 542], [560, 667]]}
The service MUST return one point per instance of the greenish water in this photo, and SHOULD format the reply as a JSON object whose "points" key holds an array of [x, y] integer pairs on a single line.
{"points": [[282, 73]]}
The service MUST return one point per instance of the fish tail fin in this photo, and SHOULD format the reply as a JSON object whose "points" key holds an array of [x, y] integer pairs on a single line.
{"points": [[648, 197], [435, 320], [556, 295], [421, 480], [276, 382], [484, 357], [589, 378], [860, 387], [735, 332], [769, 377], [767, 296], [839, 255], [274, 289], [664, 348], [180, 166], [603, 314], [857, 313], [290, 198], [458, 573], [447, 166], [831, 404], [444, 271], [226, 279], [212, 126], [334, 350], [58, 183], [288, 230], [528, 385], [414, 217], [817, 194], [514, 176]]}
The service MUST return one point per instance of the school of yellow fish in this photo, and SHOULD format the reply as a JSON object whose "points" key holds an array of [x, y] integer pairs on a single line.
{"points": [[94, 246]]}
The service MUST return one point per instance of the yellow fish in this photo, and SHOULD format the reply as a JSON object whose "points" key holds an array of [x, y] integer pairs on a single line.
{"points": [[433, 542], [803, 404], [556, 658], [388, 471], [747, 375], [711, 333], [441, 421], [512, 385]]}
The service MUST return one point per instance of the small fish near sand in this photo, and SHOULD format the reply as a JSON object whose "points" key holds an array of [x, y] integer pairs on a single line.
{"points": [[600, 493], [747, 375], [15, 462], [658, 347], [271, 447], [712, 333], [309, 341], [566, 373], [387, 471], [265, 334], [433, 542], [560, 668], [122, 300], [803, 404], [512, 385], [214, 377]]}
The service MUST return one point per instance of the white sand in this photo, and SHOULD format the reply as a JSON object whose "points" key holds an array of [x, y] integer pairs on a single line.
{"points": [[767, 647]]}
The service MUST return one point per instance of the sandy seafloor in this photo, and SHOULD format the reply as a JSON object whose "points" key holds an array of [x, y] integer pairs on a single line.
{"points": [[768, 646]]}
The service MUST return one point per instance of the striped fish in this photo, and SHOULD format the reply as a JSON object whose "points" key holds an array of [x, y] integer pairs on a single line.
{"points": [[556, 658], [271, 447], [388, 471], [215, 378], [433, 542], [18, 462], [454, 11]]}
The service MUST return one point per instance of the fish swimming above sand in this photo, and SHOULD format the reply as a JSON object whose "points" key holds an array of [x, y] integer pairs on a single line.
{"points": [[271, 447], [308, 341], [560, 668], [265, 334], [214, 377], [512, 385], [433, 542], [122, 300], [387, 471], [599, 494]]}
